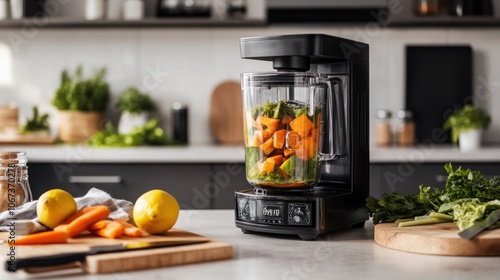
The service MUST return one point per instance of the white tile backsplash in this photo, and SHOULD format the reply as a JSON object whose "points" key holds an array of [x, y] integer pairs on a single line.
{"points": [[186, 64]]}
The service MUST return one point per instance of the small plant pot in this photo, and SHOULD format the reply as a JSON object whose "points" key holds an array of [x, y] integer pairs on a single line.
{"points": [[76, 126], [470, 140], [130, 121]]}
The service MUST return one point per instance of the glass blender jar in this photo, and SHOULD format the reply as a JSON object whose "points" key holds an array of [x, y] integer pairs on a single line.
{"points": [[283, 126]]}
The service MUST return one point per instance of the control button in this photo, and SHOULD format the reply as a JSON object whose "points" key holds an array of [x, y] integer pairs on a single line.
{"points": [[298, 215]]}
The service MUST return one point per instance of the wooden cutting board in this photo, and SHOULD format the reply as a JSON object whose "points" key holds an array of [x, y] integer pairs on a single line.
{"points": [[20, 139], [226, 113], [438, 239], [133, 260]]}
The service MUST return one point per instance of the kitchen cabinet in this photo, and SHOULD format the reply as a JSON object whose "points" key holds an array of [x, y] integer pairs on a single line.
{"points": [[188, 183], [405, 177], [225, 180]]}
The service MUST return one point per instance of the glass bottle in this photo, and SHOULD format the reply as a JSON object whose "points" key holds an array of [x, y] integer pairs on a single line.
{"points": [[427, 7], [14, 186], [405, 131], [383, 130]]}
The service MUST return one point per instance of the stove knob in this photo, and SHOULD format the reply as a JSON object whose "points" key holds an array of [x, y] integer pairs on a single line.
{"points": [[298, 215]]}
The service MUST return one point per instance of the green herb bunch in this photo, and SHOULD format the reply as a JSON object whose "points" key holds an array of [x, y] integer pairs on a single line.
{"points": [[37, 122], [134, 101], [467, 118], [468, 197], [78, 94]]}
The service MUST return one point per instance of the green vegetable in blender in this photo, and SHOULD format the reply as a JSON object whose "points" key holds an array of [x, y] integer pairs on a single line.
{"points": [[269, 161]]}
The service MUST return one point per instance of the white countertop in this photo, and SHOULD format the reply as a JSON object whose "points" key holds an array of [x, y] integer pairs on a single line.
{"points": [[150, 154], [344, 254], [224, 154], [433, 153]]}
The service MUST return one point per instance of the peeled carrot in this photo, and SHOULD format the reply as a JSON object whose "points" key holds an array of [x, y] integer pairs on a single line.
{"points": [[129, 229], [111, 230], [98, 225], [81, 223], [78, 214], [46, 237]]}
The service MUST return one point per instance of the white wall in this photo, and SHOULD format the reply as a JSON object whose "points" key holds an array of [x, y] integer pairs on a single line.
{"points": [[192, 61]]}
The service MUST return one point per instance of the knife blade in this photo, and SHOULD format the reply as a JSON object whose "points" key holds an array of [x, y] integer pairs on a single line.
{"points": [[80, 256], [477, 228]]}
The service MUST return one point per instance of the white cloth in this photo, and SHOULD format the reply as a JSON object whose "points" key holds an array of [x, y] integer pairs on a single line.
{"points": [[120, 209]]}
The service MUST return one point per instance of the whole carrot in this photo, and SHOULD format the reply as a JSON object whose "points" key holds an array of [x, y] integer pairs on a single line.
{"points": [[81, 223], [129, 229], [111, 230], [46, 237]]}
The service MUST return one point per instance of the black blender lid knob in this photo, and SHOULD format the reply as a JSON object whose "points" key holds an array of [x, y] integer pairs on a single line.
{"points": [[291, 63]]}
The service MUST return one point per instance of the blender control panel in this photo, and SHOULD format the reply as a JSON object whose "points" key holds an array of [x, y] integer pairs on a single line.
{"points": [[275, 212]]}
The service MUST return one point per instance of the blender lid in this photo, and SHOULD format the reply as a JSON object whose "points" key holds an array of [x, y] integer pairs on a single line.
{"points": [[280, 78]]}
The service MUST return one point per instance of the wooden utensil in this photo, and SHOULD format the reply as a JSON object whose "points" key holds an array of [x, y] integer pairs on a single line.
{"points": [[133, 260], [437, 239], [226, 113]]}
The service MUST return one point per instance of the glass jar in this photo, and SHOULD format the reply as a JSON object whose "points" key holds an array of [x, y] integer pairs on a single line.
{"points": [[14, 186], [427, 7], [383, 130], [405, 132]]}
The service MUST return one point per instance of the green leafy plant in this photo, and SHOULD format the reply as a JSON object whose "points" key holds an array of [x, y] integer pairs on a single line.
{"points": [[134, 101], [78, 94], [149, 134], [467, 118], [37, 122]]}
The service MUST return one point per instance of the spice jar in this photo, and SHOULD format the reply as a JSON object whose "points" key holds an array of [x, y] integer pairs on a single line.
{"points": [[14, 186], [383, 130], [427, 7], [405, 131]]}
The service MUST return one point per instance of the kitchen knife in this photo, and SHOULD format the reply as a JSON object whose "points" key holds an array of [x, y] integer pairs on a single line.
{"points": [[80, 256], [477, 228]]}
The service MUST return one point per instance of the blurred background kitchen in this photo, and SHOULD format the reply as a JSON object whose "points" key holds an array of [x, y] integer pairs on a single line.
{"points": [[181, 50]]}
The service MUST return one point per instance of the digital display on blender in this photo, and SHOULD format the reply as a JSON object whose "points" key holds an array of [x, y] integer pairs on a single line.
{"points": [[272, 211]]}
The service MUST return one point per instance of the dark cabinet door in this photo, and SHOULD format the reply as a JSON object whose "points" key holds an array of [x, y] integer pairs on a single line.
{"points": [[225, 179], [406, 177], [125, 181]]}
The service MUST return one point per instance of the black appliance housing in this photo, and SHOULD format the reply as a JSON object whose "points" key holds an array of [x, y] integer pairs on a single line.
{"points": [[340, 196]]}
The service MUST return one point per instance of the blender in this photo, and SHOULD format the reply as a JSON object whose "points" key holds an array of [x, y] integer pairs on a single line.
{"points": [[306, 136]]}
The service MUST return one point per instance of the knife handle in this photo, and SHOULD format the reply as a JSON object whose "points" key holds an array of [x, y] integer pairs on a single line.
{"points": [[45, 260]]}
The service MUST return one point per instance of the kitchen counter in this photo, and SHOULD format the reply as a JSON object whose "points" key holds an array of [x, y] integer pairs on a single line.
{"points": [[433, 153], [344, 254], [151, 154], [223, 154]]}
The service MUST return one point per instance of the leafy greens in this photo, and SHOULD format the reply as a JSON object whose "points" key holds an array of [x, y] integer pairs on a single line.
{"points": [[467, 195]]}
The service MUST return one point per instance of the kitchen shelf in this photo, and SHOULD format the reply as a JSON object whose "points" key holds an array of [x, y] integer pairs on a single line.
{"points": [[146, 22], [447, 21], [405, 16]]}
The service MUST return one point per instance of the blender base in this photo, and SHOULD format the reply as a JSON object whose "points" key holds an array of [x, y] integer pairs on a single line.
{"points": [[307, 215]]}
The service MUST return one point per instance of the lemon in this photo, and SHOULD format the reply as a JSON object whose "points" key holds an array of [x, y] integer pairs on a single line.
{"points": [[54, 207], [155, 211]]}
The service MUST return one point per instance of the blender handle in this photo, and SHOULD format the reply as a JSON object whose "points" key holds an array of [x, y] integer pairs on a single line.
{"points": [[335, 126]]}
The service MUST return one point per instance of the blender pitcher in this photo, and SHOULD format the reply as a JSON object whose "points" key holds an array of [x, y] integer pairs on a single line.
{"points": [[289, 117]]}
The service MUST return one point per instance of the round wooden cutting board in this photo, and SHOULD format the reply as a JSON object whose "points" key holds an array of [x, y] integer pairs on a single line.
{"points": [[226, 113], [438, 239]]}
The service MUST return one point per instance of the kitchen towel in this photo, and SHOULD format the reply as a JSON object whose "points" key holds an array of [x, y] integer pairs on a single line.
{"points": [[120, 210]]}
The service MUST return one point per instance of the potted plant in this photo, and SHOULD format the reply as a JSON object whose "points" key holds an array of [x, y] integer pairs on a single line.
{"points": [[466, 126], [37, 125], [81, 104], [135, 107]]}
